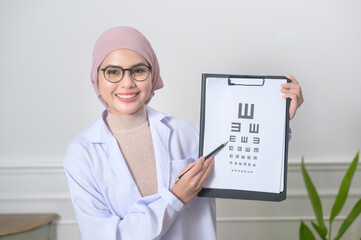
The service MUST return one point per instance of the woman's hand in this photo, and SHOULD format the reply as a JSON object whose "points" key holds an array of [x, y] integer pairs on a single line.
{"points": [[191, 183], [292, 90]]}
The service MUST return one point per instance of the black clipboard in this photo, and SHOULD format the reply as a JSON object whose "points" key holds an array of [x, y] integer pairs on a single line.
{"points": [[252, 81]]}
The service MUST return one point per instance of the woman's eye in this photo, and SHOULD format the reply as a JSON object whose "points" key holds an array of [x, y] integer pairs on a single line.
{"points": [[138, 70], [112, 72]]}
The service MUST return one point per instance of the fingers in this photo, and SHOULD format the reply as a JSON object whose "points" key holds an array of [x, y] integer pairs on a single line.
{"points": [[192, 181], [203, 174], [292, 78], [199, 168], [189, 166], [293, 88], [197, 180], [294, 92], [290, 86], [295, 104], [208, 170], [293, 95]]}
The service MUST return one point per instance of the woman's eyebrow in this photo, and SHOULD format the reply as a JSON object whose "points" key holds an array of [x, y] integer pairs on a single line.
{"points": [[135, 65], [141, 63]]}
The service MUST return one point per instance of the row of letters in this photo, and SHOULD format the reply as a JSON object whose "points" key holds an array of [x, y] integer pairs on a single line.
{"points": [[239, 149], [242, 164], [241, 171], [244, 139], [242, 156], [236, 127]]}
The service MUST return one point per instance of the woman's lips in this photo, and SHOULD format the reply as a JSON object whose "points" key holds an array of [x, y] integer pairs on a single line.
{"points": [[127, 97]]}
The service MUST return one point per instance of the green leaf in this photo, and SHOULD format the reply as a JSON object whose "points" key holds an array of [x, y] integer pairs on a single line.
{"points": [[315, 200], [318, 230], [305, 232], [356, 210], [344, 187]]}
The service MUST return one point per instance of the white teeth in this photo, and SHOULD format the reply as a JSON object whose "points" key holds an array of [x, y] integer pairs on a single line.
{"points": [[126, 96]]}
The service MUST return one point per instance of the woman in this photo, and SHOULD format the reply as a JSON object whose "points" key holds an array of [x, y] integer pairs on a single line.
{"points": [[120, 170]]}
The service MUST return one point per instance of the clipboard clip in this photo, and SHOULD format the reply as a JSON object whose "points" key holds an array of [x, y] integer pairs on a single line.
{"points": [[245, 81]]}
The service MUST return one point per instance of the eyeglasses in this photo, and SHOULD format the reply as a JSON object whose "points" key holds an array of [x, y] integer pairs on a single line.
{"points": [[115, 74]]}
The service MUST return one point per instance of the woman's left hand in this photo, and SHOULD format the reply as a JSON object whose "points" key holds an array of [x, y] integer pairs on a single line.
{"points": [[294, 92]]}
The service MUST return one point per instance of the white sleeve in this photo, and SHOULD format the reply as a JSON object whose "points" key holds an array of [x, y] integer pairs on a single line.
{"points": [[149, 217]]}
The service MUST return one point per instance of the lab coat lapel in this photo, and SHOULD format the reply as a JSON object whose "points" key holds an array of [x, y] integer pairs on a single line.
{"points": [[121, 170], [160, 136], [116, 160]]}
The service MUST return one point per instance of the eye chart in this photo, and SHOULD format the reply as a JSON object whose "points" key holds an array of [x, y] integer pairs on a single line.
{"points": [[250, 113]]}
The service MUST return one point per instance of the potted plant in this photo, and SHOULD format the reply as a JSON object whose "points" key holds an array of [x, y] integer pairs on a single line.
{"points": [[320, 227]]}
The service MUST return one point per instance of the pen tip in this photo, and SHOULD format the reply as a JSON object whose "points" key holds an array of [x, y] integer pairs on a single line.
{"points": [[225, 143]]}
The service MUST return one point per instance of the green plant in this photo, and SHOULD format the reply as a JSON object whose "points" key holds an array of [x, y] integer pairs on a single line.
{"points": [[320, 227]]}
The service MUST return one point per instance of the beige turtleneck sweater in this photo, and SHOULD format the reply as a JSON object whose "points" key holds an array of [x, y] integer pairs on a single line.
{"points": [[135, 142]]}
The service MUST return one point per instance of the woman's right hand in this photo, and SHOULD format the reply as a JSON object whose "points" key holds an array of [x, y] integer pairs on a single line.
{"points": [[191, 183]]}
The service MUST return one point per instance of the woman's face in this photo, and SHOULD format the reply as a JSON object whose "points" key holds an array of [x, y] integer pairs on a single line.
{"points": [[126, 97]]}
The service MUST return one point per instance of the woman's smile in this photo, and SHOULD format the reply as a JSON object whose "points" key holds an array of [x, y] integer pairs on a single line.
{"points": [[127, 97]]}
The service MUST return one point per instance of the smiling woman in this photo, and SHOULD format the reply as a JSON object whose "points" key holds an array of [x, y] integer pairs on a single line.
{"points": [[120, 170]]}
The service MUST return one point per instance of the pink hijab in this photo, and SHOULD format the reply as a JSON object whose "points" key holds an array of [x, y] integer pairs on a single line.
{"points": [[129, 38]]}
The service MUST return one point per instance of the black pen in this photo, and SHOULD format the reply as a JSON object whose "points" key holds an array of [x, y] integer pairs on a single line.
{"points": [[208, 156]]}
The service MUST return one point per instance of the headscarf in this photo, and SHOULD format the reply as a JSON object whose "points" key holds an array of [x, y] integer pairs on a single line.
{"points": [[126, 38]]}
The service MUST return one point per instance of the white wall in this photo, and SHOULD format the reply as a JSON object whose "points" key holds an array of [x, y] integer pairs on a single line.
{"points": [[46, 97]]}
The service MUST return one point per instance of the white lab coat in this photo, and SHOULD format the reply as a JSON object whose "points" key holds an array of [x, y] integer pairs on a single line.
{"points": [[107, 202]]}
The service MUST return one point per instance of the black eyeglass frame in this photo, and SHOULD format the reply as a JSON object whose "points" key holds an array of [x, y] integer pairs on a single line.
{"points": [[126, 69]]}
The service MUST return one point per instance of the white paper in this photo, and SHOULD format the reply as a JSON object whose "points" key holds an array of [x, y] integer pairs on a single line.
{"points": [[255, 165]]}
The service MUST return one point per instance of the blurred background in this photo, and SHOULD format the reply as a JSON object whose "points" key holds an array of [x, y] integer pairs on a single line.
{"points": [[46, 97]]}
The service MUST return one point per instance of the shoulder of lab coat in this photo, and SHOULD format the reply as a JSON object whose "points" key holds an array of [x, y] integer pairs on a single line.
{"points": [[184, 135]]}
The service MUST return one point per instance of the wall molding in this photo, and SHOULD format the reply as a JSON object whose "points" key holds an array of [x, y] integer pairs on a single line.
{"points": [[34, 167], [35, 197], [322, 166], [18, 167], [322, 193], [66, 196]]}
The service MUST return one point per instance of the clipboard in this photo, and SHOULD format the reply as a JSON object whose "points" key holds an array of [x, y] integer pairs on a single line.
{"points": [[249, 112]]}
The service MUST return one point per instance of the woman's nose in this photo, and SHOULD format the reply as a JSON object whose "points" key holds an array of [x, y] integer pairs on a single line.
{"points": [[127, 81]]}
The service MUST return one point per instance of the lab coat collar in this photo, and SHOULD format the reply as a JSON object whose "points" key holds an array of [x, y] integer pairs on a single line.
{"points": [[161, 133], [100, 133]]}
